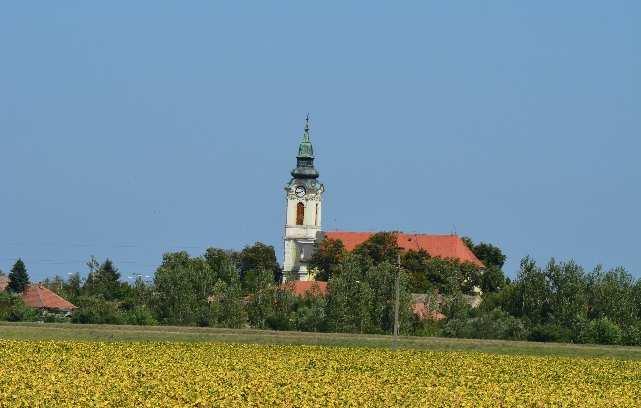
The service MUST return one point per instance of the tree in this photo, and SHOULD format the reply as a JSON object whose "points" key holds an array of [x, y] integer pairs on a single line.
{"points": [[349, 301], [226, 308], [254, 258], [380, 247], [18, 278], [492, 279], [327, 256], [261, 304], [381, 279], [531, 294], [71, 288], [489, 254], [225, 302], [103, 280], [566, 292], [416, 265], [611, 295], [183, 285]]}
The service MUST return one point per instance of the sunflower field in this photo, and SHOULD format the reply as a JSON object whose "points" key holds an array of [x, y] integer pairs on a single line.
{"points": [[73, 373]]}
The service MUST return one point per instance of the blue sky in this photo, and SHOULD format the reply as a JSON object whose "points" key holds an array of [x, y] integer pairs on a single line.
{"points": [[129, 129]]}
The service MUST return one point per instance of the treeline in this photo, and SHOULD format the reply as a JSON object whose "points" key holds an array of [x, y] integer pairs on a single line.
{"points": [[556, 302]]}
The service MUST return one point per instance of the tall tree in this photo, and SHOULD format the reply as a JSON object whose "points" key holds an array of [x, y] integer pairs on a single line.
{"points": [[18, 277], [612, 295], [350, 299], [493, 278], [380, 247], [328, 255], [256, 258], [183, 285], [103, 280]]}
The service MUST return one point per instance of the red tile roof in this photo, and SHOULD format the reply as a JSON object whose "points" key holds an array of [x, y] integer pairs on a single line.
{"points": [[300, 288], [39, 297], [440, 246], [4, 282]]}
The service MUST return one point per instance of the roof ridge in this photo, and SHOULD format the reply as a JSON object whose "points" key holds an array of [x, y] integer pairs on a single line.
{"points": [[38, 287]]}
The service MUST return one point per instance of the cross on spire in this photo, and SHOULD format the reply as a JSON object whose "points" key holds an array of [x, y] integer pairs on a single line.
{"points": [[306, 135]]}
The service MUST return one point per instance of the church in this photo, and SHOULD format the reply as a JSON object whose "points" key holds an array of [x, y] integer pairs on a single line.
{"points": [[303, 227]]}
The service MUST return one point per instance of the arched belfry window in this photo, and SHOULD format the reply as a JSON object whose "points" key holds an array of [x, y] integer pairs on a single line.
{"points": [[300, 213]]}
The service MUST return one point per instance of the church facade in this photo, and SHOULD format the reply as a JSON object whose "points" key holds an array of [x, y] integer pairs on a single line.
{"points": [[303, 227]]}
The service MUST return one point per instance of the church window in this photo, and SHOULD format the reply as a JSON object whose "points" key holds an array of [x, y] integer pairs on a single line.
{"points": [[300, 213]]}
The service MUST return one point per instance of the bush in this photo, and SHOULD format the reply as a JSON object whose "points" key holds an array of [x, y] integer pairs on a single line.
{"points": [[550, 333], [601, 331], [96, 310], [631, 335], [426, 327], [494, 325], [139, 315], [13, 309]]}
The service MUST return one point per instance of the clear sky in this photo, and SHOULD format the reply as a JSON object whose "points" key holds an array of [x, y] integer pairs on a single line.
{"points": [[128, 129]]}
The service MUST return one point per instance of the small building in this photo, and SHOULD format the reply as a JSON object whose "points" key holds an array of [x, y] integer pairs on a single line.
{"points": [[38, 297], [4, 282]]}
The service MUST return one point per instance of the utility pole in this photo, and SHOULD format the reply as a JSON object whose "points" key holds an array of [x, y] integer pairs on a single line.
{"points": [[396, 301]]}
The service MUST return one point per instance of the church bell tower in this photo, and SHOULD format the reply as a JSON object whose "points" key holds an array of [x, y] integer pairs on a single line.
{"points": [[303, 216]]}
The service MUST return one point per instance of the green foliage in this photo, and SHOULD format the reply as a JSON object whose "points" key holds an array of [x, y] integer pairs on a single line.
{"points": [[254, 258], [551, 333], [139, 315], [225, 302], [601, 331], [631, 335], [18, 277], [612, 294], [492, 279], [380, 247], [327, 257], [350, 299], [310, 314], [556, 294], [489, 254], [183, 285], [361, 300], [496, 324], [103, 280], [457, 307], [426, 327], [13, 309], [382, 278], [96, 310], [447, 276], [262, 309]]}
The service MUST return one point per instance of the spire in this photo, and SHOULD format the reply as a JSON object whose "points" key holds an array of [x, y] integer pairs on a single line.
{"points": [[305, 148], [305, 158]]}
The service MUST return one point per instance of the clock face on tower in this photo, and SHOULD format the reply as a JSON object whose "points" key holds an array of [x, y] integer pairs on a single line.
{"points": [[299, 191]]}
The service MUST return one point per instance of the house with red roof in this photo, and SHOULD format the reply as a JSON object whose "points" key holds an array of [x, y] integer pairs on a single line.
{"points": [[39, 297]]}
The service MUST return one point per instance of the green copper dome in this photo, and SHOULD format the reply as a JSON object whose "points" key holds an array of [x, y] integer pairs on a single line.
{"points": [[305, 158], [305, 148]]}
